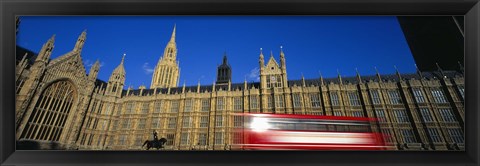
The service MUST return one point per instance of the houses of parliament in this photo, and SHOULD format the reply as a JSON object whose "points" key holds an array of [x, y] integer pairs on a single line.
{"points": [[59, 102]]}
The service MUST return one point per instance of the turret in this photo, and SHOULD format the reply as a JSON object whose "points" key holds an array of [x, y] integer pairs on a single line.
{"points": [[261, 60], [398, 73], [117, 80], [46, 51], [419, 72], [378, 75], [359, 79], [224, 71], [92, 75], [80, 42]]}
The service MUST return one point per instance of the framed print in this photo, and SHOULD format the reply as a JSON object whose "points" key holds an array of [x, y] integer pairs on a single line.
{"points": [[260, 82]]}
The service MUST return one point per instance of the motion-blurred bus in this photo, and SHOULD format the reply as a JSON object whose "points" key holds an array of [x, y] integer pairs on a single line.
{"points": [[308, 132]]}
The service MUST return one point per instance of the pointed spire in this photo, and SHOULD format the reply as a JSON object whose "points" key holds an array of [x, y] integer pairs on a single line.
{"points": [[282, 55], [225, 58], [359, 79], [418, 71], [213, 86], [397, 73], [123, 58], [303, 80], [172, 39], [229, 85], [321, 78], [245, 83], [183, 87], [339, 77], [261, 59], [80, 41], [271, 54], [378, 75], [440, 70], [198, 86], [46, 50]]}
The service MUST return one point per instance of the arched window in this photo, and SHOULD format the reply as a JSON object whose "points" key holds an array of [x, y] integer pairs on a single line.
{"points": [[48, 118]]}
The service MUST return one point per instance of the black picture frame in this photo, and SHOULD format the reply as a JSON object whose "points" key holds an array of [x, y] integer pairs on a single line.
{"points": [[9, 9]]}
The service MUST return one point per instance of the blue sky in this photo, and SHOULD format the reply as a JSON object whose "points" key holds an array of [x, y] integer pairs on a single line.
{"points": [[311, 44]]}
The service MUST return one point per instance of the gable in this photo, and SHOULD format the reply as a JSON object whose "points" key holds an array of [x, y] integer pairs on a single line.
{"points": [[68, 64], [272, 67]]}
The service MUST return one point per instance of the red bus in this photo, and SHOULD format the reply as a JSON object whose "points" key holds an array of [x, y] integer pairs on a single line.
{"points": [[308, 132]]}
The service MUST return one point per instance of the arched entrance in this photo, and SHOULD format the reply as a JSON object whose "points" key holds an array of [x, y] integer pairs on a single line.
{"points": [[51, 111]]}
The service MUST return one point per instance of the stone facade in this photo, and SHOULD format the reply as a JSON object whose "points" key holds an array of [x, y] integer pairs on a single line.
{"points": [[58, 102]]}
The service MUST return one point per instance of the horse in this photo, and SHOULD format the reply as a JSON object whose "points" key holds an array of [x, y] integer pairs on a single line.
{"points": [[155, 143]]}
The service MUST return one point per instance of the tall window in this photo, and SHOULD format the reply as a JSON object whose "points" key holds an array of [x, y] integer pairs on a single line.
{"points": [[296, 101], [174, 106], [417, 92], [237, 104], [269, 101], [203, 121], [237, 121], [375, 97], [237, 138], [141, 124], [187, 122], [188, 105], [202, 138], [126, 124], [145, 108], [426, 116], [221, 103], [130, 108], [155, 123], [119, 109], [434, 135], [447, 115], [170, 139], [334, 98], [184, 138], [408, 135], [172, 123], [108, 109], [218, 121], [456, 134], [438, 95], [115, 125], [122, 139], [218, 138], [315, 100], [138, 140], [337, 113], [380, 115], [254, 102], [357, 113], [279, 101], [354, 99], [158, 107], [205, 105], [394, 97], [461, 89], [386, 135], [401, 116]]}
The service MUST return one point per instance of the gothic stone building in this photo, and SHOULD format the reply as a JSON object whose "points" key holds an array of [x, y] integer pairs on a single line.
{"points": [[58, 102]]}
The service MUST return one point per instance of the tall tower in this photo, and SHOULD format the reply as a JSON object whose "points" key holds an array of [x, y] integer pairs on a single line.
{"points": [[224, 72], [117, 80], [167, 72]]}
